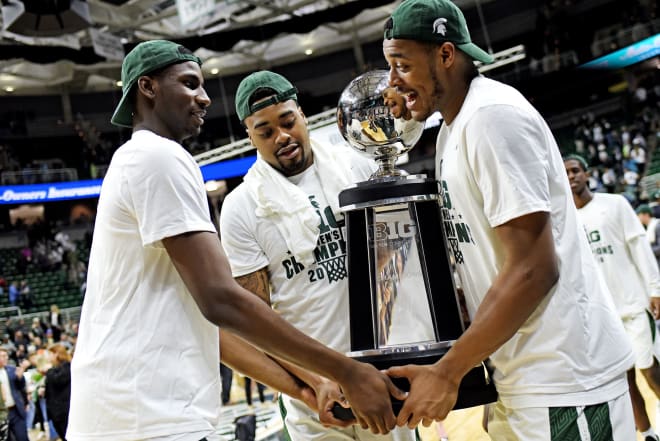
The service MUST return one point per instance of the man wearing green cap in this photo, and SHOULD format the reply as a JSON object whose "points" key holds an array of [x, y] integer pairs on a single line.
{"points": [[630, 272], [159, 285], [282, 231], [652, 226], [538, 313], [654, 203]]}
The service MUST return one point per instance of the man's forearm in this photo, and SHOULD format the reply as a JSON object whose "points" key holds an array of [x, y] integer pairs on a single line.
{"points": [[309, 378], [250, 318], [243, 357], [258, 283], [508, 304], [527, 276]]}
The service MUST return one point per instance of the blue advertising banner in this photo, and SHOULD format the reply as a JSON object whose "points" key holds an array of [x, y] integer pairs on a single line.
{"points": [[227, 169], [54, 191], [633, 54], [59, 191]]}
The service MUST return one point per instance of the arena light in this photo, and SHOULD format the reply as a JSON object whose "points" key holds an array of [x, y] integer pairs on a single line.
{"points": [[215, 71]]}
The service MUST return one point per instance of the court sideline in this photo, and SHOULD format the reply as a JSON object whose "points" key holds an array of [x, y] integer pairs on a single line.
{"points": [[465, 424]]}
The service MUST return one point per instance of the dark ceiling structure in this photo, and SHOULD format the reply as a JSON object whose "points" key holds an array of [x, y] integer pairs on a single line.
{"points": [[234, 37]]}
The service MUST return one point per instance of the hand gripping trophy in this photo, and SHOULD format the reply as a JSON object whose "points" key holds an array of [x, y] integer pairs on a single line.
{"points": [[404, 297]]}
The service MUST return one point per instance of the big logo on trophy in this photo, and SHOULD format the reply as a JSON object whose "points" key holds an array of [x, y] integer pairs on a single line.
{"points": [[404, 298]]}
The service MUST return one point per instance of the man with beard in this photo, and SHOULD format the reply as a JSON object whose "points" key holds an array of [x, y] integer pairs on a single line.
{"points": [[624, 256], [282, 231], [537, 311]]}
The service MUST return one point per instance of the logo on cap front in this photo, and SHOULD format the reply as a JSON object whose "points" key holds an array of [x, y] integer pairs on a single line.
{"points": [[439, 26], [184, 50]]}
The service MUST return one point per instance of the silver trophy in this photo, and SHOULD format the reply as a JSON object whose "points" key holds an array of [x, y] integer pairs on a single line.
{"points": [[404, 303], [373, 119]]}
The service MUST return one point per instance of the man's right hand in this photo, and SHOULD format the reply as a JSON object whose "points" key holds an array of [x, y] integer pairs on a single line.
{"points": [[368, 392], [328, 393]]}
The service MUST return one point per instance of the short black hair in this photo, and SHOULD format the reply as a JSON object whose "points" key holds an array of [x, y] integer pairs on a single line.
{"points": [[261, 93]]}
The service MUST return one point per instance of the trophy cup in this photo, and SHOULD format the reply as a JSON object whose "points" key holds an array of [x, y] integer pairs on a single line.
{"points": [[405, 306]]}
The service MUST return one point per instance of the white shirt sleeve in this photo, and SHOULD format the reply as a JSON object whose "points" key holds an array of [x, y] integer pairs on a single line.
{"points": [[640, 252], [508, 163], [237, 234], [167, 194], [640, 249]]}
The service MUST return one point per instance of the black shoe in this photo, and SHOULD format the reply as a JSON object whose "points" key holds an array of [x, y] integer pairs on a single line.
{"points": [[652, 438]]}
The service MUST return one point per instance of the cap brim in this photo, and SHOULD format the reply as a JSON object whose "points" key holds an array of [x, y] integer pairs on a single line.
{"points": [[476, 53], [123, 116]]}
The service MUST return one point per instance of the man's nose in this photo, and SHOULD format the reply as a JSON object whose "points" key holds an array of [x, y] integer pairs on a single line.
{"points": [[283, 137], [393, 78], [203, 98]]}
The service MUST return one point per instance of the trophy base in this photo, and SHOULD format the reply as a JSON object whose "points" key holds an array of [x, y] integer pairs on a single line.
{"points": [[476, 388]]}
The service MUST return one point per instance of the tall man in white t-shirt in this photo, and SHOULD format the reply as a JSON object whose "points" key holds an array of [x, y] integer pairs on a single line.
{"points": [[282, 231], [538, 312], [651, 225], [624, 256], [159, 285]]}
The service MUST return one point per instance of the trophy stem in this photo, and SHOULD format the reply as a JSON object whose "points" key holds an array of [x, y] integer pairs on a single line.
{"points": [[386, 167]]}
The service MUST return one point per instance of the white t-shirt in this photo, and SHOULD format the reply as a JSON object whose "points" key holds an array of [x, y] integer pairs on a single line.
{"points": [[312, 298], [146, 361], [498, 161], [612, 228]]}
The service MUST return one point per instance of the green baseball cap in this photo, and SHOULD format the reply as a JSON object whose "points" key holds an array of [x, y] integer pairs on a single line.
{"points": [[644, 208], [264, 79], [146, 57], [434, 21], [578, 158]]}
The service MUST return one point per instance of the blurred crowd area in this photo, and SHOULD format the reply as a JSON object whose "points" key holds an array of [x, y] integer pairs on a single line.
{"points": [[621, 151], [567, 33]]}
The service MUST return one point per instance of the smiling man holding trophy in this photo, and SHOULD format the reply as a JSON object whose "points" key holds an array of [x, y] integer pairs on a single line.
{"points": [[538, 309]]}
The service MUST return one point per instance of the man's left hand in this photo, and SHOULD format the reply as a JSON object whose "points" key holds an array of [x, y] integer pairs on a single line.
{"points": [[432, 395]]}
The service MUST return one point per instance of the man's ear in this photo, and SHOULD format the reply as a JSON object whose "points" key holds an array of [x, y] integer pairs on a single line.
{"points": [[145, 86], [446, 53], [303, 114]]}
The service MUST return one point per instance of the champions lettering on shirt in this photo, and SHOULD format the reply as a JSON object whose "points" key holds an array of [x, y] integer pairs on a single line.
{"points": [[457, 231], [598, 248], [330, 251]]}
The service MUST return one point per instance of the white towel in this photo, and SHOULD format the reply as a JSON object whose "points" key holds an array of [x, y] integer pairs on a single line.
{"points": [[650, 230], [289, 207]]}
